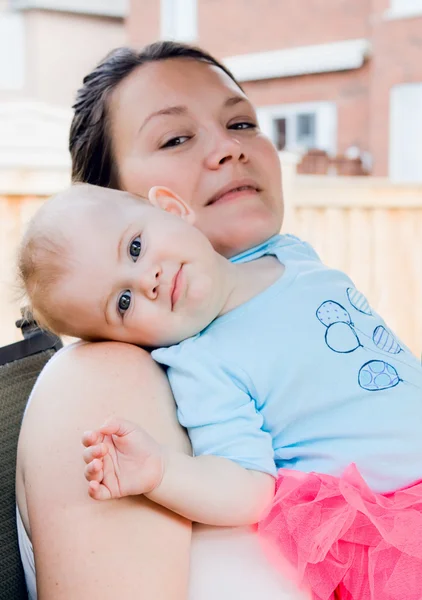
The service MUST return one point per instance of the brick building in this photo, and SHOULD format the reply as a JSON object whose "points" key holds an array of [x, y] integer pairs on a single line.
{"points": [[343, 76]]}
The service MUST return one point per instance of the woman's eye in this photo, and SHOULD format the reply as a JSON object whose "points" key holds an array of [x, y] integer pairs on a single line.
{"points": [[243, 125], [176, 141], [135, 248], [124, 302]]}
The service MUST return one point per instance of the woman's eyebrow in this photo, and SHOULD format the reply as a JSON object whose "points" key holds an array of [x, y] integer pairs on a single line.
{"points": [[183, 110], [168, 110], [233, 100]]}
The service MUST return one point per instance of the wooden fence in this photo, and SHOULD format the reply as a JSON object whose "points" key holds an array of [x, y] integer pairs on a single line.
{"points": [[372, 230]]}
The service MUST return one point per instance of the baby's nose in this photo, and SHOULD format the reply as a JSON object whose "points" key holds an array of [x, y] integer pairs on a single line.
{"points": [[150, 282]]}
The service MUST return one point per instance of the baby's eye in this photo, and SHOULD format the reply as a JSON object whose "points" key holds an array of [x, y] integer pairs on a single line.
{"points": [[135, 248], [124, 302]]}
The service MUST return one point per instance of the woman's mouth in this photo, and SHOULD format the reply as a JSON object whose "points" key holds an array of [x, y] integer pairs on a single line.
{"points": [[234, 192]]}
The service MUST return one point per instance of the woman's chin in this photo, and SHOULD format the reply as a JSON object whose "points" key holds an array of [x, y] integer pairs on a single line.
{"points": [[250, 233], [234, 227]]}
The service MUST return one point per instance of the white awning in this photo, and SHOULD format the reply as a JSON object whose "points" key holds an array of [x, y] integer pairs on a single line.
{"points": [[104, 8], [321, 58]]}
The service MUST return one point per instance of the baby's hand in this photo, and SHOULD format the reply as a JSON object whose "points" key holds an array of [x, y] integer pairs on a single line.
{"points": [[121, 460]]}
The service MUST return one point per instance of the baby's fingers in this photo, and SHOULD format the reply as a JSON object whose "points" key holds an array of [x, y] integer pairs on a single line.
{"points": [[117, 426], [91, 438], [94, 471], [98, 451], [97, 491]]}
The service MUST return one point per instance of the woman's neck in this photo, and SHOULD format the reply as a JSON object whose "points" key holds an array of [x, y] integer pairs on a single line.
{"points": [[247, 280]]}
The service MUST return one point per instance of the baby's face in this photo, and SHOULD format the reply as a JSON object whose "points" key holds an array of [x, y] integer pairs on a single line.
{"points": [[139, 275]]}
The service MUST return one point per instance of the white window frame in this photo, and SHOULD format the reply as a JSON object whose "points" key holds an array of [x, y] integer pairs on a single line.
{"points": [[404, 9], [104, 8], [179, 20], [405, 161], [12, 51], [325, 123]]}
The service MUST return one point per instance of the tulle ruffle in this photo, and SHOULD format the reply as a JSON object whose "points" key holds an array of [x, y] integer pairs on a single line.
{"points": [[345, 541]]}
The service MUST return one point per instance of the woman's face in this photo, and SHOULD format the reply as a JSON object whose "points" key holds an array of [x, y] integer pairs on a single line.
{"points": [[186, 125]]}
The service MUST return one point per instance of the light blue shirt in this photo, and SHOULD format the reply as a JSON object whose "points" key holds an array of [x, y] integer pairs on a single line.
{"points": [[304, 376]]}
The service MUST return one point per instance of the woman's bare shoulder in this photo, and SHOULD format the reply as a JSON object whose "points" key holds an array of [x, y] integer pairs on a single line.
{"points": [[78, 390], [85, 382]]}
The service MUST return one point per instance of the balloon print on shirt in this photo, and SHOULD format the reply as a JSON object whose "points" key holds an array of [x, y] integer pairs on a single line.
{"points": [[332, 312], [378, 375], [385, 340], [340, 335], [358, 301]]}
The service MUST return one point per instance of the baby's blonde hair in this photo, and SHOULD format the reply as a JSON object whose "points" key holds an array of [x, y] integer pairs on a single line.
{"points": [[44, 258]]}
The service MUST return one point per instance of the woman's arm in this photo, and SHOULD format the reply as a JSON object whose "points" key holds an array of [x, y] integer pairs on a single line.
{"points": [[130, 548]]}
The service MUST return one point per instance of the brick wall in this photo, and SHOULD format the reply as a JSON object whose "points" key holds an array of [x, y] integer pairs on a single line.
{"points": [[143, 24], [362, 96], [229, 27], [350, 90]]}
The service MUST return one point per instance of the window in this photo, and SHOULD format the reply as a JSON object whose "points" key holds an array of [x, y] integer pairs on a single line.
{"points": [[12, 51], [280, 131], [300, 127], [404, 8], [305, 130], [406, 133], [179, 20]]}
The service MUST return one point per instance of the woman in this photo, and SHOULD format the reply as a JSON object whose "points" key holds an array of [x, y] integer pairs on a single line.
{"points": [[168, 115]]}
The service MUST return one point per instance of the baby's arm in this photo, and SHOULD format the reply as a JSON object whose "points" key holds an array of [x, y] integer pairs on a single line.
{"points": [[123, 459]]}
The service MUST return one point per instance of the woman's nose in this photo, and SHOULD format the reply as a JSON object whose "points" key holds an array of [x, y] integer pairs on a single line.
{"points": [[226, 148]]}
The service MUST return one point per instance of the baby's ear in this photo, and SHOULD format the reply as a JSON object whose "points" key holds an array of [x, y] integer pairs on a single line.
{"points": [[164, 198]]}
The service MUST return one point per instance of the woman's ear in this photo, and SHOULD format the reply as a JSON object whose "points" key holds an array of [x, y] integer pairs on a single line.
{"points": [[164, 198]]}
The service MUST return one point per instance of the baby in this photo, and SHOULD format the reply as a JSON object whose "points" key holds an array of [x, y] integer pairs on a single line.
{"points": [[284, 376]]}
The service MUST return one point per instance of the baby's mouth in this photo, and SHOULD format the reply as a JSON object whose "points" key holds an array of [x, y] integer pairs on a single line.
{"points": [[176, 287]]}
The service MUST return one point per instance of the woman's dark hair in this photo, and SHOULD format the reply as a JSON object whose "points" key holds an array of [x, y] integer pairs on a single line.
{"points": [[90, 142]]}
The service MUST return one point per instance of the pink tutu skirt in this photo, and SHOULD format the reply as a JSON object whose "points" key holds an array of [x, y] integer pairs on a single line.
{"points": [[345, 541]]}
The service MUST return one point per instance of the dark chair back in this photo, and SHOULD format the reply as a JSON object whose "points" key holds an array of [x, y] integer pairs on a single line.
{"points": [[20, 365]]}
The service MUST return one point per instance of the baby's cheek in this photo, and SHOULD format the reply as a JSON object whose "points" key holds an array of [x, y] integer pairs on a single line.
{"points": [[163, 331]]}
